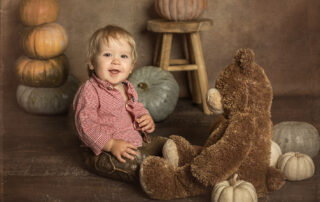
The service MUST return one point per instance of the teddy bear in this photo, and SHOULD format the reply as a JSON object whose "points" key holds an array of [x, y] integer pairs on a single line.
{"points": [[239, 142]]}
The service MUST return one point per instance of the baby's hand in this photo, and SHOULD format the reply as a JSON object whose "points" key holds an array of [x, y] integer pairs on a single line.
{"points": [[120, 149], [146, 123]]}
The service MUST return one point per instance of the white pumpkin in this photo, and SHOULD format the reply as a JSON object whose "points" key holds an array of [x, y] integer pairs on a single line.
{"points": [[275, 154], [234, 191], [296, 166], [293, 136], [47, 101], [157, 90]]}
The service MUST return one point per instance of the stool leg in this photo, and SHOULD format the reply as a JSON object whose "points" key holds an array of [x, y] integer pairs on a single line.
{"points": [[192, 76], [186, 46], [165, 51], [194, 87], [202, 73], [157, 51]]}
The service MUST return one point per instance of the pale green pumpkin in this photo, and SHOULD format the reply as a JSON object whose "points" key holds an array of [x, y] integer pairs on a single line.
{"points": [[47, 101], [157, 90], [294, 136]]}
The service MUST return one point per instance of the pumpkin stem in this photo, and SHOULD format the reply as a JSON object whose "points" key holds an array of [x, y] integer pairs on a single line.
{"points": [[233, 180], [143, 86], [298, 155]]}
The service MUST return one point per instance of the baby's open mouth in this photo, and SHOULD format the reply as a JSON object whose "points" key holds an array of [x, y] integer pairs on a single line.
{"points": [[114, 71]]}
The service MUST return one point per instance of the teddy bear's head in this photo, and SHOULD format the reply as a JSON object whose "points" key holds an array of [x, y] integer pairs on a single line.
{"points": [[241, 87]]}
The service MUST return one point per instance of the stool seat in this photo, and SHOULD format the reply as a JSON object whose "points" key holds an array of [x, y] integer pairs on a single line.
{"points": [[164, 26], [193, 61]]}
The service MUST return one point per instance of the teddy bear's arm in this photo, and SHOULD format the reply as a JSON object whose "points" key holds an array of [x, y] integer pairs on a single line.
{"points": [[218, 128], [219, 161]]}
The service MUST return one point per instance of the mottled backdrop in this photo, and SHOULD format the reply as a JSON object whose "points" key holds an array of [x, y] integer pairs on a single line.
{"points": [[284, 35]]}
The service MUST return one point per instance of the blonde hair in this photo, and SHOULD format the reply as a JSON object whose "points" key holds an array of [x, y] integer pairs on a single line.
{"points": [[103, 35]]}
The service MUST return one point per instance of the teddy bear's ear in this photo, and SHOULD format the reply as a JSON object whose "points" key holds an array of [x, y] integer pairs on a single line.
{"points": [[244, 58]]}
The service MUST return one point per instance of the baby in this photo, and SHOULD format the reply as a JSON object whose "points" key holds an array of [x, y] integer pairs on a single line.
{"points": [[108, 117]]}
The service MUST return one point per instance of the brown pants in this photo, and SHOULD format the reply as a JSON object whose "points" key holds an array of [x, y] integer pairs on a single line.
{"points": [[107, 165]]}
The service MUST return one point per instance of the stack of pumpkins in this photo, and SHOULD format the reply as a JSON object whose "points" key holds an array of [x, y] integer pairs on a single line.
{"points": [[45, 87]]}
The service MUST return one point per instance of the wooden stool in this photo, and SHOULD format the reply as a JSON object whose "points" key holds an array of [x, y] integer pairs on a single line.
{"points": [[193, 62]]}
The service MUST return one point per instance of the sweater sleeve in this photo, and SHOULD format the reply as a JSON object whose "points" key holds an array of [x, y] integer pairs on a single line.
{"points": [[90, 130]]}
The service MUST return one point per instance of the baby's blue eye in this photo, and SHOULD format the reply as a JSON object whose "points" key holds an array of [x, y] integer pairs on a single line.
{"points": [[124, 56], [107, 54]]}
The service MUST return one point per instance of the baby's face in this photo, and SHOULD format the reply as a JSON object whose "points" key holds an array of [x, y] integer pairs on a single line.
{"points": [[113, 63]]}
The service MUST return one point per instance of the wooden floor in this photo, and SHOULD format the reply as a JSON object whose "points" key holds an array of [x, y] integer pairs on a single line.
{"points": [[40, 158]]}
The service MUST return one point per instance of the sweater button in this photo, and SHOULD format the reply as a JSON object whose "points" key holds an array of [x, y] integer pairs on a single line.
{"points": [[109, 88]]}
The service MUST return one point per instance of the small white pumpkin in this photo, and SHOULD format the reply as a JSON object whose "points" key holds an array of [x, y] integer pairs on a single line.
{"points": [[275, 154], [296, 166], [234, 190], [47, 101], [157, 90], [293, 136]]}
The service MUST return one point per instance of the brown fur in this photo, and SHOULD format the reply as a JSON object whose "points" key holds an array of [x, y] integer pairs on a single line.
{"points": [[185, 150], [170, 182], [240, 141]]}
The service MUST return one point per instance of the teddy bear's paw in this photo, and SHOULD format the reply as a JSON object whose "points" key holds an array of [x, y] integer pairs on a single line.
{"points": [[178, 151], [214, 101], [275, 179], [157, 178], [170, 152], [160, 180]]}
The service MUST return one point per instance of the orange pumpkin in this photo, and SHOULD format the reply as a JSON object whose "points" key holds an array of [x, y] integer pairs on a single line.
{"points": [[179, 10], [37, 12], [42, 73], [45, 41]]}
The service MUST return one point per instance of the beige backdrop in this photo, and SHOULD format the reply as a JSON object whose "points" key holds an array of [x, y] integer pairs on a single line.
{"points": [[284, 35]]}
